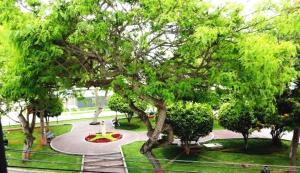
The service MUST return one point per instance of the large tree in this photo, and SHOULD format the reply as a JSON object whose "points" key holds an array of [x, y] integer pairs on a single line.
{"points": [[286, 26], [158, 51], [26, 82], [290, 107]]}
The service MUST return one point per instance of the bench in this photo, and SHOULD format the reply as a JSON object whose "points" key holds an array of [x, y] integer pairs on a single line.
{"points": [[115, 123], [5, 140], [49, 136]]}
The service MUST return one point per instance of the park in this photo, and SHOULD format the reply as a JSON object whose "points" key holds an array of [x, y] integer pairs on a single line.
{"points": [[141, 86]]}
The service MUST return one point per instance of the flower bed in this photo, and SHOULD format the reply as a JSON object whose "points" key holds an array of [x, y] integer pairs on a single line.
{"points": [[100, 138]]}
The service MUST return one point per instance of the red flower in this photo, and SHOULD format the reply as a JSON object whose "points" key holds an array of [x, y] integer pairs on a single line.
{"points": [[102, 140], [117, 135], [89, 137]]}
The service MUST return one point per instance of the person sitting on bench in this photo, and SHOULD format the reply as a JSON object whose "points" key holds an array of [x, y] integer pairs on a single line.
{"points": [[49, 135]]}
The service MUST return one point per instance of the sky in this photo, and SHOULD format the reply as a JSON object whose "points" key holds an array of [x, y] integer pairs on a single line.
{"points": [[249, 5]]}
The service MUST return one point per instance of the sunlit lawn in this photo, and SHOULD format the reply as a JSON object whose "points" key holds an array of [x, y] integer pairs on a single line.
{"points": [[213, 161], [137, 125], [43, 154]]}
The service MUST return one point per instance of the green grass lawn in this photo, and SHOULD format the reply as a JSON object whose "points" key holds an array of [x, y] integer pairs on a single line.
{"points": [[135, 124], [43, 153], [217, 126], [213, 161]]}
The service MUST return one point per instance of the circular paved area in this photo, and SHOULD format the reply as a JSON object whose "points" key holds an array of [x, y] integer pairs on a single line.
{"points": [[74, 142]]}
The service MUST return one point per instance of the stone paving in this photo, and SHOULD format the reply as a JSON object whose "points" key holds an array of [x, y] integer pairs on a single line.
{"points": [[74, 142], [263, 133]]}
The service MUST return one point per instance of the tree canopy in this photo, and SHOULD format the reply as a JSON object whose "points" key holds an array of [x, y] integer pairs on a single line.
{"points": [[158, 51], [119, 104]]}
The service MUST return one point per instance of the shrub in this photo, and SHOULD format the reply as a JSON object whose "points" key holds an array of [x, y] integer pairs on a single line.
{"points": [[119, 104], [190, 121], [238, 118]]}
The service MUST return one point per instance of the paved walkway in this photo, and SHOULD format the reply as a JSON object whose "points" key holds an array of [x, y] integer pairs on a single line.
{"points": [[108, 156], [108, 163], [74, 141], [263, 133]]}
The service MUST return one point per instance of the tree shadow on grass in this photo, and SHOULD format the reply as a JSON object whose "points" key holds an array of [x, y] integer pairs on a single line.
{"points": [[256, 147], [174, 152], [127, 126]]}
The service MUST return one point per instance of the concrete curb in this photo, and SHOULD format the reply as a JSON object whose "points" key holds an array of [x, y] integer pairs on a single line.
{"points": [[82, 163], [123, 158]]}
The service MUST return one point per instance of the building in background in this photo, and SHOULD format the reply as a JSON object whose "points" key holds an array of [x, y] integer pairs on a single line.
{"points": [[87, 99]]}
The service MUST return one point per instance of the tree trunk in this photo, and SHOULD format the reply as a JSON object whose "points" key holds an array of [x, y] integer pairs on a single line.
{"points": [[276, 135], [245, 136], [186, 147], [47, 124], [99, 106], [28, 131], [169, 130], [152, 142], [153, 134], [3, 163], [27, 147], [129, 117], [42, 128], [147, 151], [143, 116], [116, 120], [293, 153]]}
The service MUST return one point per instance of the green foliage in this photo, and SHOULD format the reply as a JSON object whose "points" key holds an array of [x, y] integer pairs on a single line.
{"points": [[288, 107], [54, 107], [161, 51], [25, 77], [119, 104], [237, 117], [208, 48], [190, 120]]}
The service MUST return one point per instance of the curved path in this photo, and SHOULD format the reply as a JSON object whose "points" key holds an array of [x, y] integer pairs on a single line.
{"points": [[74, 141], [263, 133]]}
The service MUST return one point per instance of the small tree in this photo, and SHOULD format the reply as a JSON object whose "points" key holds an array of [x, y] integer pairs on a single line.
{"points": [[238, 118], [277, 123], [119, 104], [190, 121], [268, 118], [288, 105], [54, 108]]}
